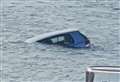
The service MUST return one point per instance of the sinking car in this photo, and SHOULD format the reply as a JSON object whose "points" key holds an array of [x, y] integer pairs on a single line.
{"points": [[67, 37], [103, 74]]}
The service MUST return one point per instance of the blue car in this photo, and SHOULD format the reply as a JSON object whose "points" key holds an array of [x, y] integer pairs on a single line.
{"points": [[68, 38]]}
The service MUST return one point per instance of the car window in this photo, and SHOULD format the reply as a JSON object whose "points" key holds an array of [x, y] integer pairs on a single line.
{"points": [[54, 40], [62, 39], [58, 39], [68, 39]]}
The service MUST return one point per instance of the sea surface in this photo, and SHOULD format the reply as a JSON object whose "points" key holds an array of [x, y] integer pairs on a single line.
{"points": [[36, 62]]}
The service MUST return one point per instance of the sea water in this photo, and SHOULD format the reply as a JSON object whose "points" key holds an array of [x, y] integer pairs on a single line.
{"points": [[36, 62]]}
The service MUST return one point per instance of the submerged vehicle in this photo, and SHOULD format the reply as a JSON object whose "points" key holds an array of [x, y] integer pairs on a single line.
{"points": [[103, 74], [68, 37]]}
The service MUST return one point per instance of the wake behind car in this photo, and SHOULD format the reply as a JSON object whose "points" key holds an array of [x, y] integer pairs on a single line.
{"points": [[67, 37]]}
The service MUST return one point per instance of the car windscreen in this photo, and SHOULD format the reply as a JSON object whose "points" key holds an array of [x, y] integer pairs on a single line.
{"points": [[78, 37]]}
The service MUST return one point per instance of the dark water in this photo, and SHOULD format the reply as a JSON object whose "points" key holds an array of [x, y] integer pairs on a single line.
{"points": [[22, 19]]}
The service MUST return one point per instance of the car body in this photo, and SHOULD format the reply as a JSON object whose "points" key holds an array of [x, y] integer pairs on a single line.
{"points": [[103, 74], [67, 37]]}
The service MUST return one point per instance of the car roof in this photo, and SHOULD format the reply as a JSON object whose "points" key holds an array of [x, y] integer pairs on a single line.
{"points": [[50, 34], [104, 69]]}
